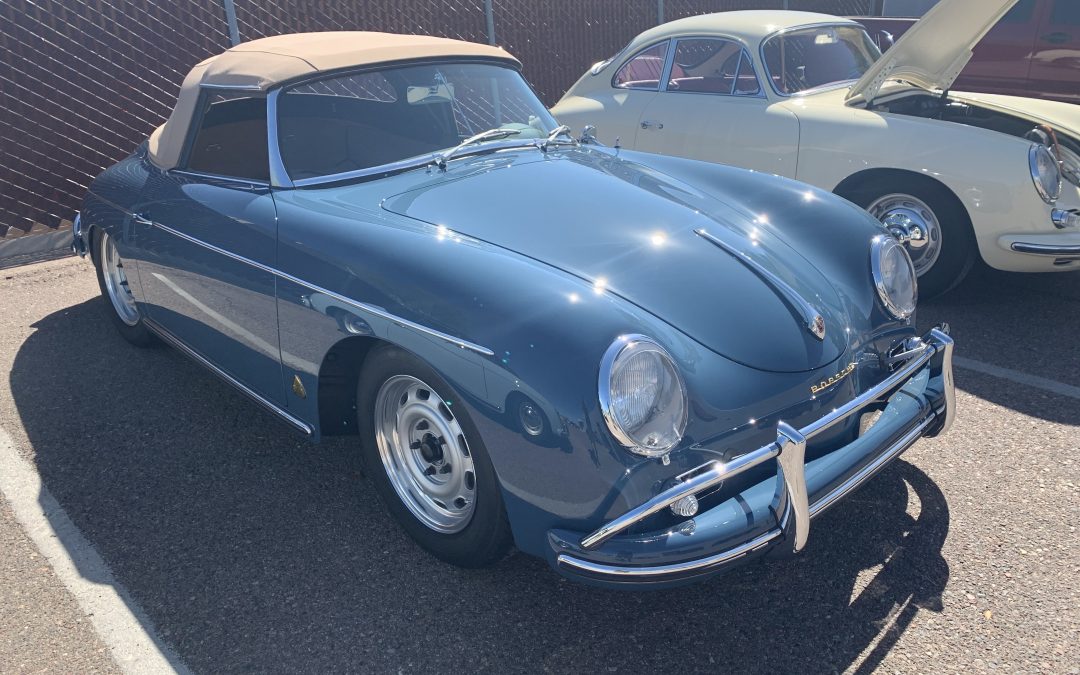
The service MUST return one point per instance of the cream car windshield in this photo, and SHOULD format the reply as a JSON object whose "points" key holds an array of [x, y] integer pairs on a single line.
{"points": [[820, 56], [364, 120]]}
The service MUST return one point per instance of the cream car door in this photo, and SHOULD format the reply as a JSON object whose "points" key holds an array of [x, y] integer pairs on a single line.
{"points": [[714, 108]]}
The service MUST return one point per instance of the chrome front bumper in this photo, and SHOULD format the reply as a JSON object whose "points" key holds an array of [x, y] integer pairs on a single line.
{"points": [[791, 503]]}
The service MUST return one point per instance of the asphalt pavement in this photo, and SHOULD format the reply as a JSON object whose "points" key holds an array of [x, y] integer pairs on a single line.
{"points": [[243, 547]]}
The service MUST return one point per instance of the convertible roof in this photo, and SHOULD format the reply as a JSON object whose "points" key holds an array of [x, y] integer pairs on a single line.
{"points": [[261, 64]]}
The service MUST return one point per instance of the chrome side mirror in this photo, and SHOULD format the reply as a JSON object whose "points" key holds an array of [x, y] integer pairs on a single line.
{"points": [[588, 135]]}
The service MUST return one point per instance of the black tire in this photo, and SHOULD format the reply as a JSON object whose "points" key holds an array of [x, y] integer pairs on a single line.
{"points": [[959, 250], [486, 538], [137, 334]]}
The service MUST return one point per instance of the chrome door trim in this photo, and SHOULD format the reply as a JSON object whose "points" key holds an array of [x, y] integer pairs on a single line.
{"points": [[279, 177], [174, 341], [362, 306]]}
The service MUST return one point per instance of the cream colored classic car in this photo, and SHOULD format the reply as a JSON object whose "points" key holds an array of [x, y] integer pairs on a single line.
{"points": [[809, 96]]}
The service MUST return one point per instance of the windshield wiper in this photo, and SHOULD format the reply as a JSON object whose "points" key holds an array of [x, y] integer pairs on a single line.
{"points": [[489, 135]]}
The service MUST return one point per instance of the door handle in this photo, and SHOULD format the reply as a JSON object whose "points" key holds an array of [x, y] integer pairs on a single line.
{"points": [[649, 124], [141, 219], [1056, 38]]}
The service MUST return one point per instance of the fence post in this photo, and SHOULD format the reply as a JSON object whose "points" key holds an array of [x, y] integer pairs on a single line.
{"points": [[659, 12], [489, 16], [230, 17]]}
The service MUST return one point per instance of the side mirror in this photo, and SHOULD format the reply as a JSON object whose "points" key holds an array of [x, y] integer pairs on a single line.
{"points": [[588, 135], [884, 40]]}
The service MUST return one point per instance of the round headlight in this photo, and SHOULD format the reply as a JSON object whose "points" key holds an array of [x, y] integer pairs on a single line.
{"points": [[1046, 172], [642, 396], [894, 276]]}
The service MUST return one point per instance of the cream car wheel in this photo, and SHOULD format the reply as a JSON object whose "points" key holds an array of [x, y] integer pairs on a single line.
{"points": [[914, 223]]}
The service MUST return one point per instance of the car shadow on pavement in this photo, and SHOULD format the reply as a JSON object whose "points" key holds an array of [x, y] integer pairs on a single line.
{"points": [[252, 549]]}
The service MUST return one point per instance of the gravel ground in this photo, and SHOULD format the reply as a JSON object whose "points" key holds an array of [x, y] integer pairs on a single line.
{"points": [[253, 550]]}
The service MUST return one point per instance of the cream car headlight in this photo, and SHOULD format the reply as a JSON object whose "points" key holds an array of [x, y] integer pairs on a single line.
{"points": [[1046, 172], [642, 396], [894, 276]]}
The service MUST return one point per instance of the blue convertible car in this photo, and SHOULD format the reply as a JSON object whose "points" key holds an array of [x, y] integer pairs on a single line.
{"points": [[641, 368]]}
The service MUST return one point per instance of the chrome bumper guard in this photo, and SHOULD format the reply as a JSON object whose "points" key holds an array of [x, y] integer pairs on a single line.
{"points": [[791, 500], [78, 244]]}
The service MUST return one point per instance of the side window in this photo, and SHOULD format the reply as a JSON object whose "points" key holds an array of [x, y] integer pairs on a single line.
{"points": [[231, 138], [644, 70], [712, 66], [1065, 13]]}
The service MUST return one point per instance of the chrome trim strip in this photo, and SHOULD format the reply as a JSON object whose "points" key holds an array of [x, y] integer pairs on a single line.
{"points": [[1046, 249], [381, 313], [702, 565], [811, 317], [238, 87], [712, 473], [174, 341], [675, 569]]}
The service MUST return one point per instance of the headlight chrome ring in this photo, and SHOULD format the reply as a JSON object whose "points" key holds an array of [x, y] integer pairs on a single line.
{"points": [[642, 396], [894, 276], [1045, 172]]}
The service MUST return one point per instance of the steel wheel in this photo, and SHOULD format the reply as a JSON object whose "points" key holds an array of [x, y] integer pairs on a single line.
{"points": [[914, 223], [425, 454], [116, 282]]}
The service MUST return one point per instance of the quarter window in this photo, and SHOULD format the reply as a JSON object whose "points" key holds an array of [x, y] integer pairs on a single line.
{"points": [[231, 138], [644, 70], [712, 66]]}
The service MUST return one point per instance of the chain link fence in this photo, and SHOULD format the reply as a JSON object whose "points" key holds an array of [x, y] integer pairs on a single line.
{"points": [[83, 82]]}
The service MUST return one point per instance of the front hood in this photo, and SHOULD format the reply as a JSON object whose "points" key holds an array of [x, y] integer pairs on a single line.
{"points": [[631, 231], [932, 53], [1062, 117]]}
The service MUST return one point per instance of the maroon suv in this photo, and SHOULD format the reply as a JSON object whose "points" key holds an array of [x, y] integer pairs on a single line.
{"points": [[1033, 51]]}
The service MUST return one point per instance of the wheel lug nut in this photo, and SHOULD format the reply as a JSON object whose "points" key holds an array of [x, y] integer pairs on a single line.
{"points": [[446, 468]]}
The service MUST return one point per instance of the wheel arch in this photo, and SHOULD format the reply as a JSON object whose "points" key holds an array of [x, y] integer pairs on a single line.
{"points": [[859, 181], [339, 374]]}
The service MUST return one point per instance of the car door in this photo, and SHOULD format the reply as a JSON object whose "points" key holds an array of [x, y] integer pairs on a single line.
{"points": [[1055, 60], [1001, 60], [207, 232], [634, 85], [714, 108]]}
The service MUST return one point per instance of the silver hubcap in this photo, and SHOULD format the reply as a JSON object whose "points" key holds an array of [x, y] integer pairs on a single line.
{"points": [[914, 224], [425, 454], [530, 418], [116, 282]]}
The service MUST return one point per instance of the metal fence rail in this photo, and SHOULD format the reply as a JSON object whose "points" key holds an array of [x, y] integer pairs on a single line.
{"points": [[82, 82]]}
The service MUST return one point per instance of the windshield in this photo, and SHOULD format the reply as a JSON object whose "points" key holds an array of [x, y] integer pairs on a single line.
{"points": [[363, 120], [809, 58]]}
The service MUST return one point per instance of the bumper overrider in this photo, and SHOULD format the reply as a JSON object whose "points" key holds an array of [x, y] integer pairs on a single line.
{"points": [[919, 400]]}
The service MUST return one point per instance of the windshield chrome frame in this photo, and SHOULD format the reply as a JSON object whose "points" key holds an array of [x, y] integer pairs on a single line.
{"points": [[279, 175], [814, 90]]}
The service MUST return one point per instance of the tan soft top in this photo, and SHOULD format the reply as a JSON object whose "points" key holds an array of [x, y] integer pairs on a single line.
{"points": [[263, 63]]}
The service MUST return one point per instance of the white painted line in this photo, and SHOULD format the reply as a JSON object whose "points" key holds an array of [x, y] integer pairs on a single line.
{"points": [[118, 620], [1020, 378]]}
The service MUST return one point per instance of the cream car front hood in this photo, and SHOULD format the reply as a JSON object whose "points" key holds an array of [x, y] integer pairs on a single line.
{"points": [[1062, 117], [933, 51]]}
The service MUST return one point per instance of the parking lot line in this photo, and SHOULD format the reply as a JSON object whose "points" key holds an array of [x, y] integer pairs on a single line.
{"points": [[1035, 381], [116, 618]]}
